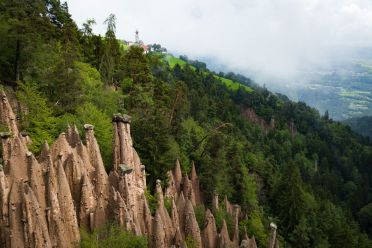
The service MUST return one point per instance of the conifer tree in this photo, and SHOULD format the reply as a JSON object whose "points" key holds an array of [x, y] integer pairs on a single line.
{"points": [[111, 53], [290, 198]]}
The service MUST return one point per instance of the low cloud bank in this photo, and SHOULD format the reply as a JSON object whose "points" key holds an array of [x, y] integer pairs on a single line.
{"points": [[268, 39]]}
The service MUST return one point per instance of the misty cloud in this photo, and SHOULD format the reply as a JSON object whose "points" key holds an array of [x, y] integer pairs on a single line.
{"points": [[275, 38]]}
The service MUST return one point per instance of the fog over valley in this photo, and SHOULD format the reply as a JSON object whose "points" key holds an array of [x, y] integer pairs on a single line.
{"points": [[284, 44]]}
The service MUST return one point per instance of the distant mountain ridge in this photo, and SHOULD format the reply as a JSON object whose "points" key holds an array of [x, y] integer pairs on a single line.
{"points": [[361, 125]]}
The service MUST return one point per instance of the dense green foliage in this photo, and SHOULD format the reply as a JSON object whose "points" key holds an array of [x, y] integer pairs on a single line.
{"points": [[111, 236], [310, 175]]}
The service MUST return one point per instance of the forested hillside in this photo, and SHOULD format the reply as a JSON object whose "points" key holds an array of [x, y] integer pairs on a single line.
{"points": [[280, 160], [361, 125]]}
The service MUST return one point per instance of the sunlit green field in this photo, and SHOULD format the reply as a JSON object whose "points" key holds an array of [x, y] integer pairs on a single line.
{"points": [[173, 61], [233, 85]]}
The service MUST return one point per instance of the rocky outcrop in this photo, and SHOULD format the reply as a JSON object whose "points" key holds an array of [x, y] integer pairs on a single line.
{"points": [[44, 201], [251, 116]]}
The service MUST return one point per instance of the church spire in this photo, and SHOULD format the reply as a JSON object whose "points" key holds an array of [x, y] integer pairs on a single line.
{"points": [[137, 40]]}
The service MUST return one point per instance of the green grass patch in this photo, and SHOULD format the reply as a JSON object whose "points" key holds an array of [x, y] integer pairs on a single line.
{"points": [[233, 85], [173, 61]]}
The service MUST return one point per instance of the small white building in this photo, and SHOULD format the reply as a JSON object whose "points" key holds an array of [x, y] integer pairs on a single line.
{"points": [[139, 43]]}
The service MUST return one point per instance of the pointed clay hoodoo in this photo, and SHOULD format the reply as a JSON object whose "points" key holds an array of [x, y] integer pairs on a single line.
{"points": [[60, 148], [175, 215], [102, 184], [17, 238], [128, 172], [43, 203], [4, 216], [236, 225], [252, 243], [7, 115], [191, 225], [118, 208], [123, 143], [37, 180], [56, 224], [66, 205], [36, 232], [72, 136], [224, 239], [45, 152], [245, 235], [123, 215], [6, 144], [17, 164], [177, 175], [174, 181], [82, 153], [210, 230], [178, 240], [247, 242], [126, 160], [147, 220], [229, 207], [171, 191], [87, 203], [158, 238], [196, 185], [73, 170], [188, 190], [181, 202], [162, 211]]}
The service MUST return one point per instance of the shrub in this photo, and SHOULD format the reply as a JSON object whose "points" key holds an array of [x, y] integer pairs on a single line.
{"points": [[221, 215], [36, 116], [200, 215], [168, 205], [151, 200], [111, 236], [254, 226]]}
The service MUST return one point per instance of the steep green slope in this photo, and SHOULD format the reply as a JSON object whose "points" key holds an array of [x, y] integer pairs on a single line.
{"points": [[173, 61], [278, 159]]}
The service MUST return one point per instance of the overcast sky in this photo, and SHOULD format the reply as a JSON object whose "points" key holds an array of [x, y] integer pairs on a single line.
{"points": [[274, 38]]}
